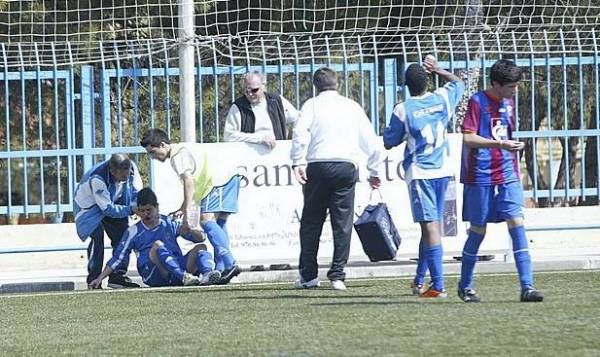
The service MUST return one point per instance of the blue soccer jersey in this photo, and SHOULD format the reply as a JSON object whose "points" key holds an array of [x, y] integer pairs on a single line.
{"points": [[421, 122], [140, 238]]}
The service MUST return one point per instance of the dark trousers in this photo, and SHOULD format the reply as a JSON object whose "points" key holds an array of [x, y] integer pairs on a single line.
{"points": [[330, 185], [114, 228]]}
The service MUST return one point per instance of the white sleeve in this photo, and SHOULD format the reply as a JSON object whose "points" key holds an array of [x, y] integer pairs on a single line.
{"points": [[301, 135], [104, 201], [183, 162], [100, 193], [138, 184], [233, 128], [370, 144], [291, 113]]}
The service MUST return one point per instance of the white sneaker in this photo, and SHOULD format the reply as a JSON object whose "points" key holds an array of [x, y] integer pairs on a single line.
{"points": [[211, 278], [190, 280], [338, 285], [301, 284]]}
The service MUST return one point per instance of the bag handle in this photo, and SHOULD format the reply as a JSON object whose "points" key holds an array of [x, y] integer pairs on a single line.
{"points": [[371, 195]]}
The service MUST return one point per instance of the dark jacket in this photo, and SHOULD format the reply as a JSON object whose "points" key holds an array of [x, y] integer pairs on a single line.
{"points": [[275, 110]]}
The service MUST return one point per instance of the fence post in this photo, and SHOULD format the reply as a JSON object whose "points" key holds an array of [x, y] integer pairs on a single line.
{"points": [[390, 83], [87, 113]]}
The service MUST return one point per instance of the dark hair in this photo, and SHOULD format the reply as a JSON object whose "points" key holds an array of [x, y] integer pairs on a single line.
{"points": [[119, 162], [415, 78], [505, 72], [147, 197], [325, 79], [154, 137]]}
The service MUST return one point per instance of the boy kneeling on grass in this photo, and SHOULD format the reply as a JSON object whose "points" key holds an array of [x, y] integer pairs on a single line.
{"points": [[160, 261]]}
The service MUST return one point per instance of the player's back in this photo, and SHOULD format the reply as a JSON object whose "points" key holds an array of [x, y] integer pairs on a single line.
{"points": [[426, 120]]}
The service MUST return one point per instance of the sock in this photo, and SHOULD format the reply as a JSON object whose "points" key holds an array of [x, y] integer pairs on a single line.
{"points": [[220, 242], [170, 263], [204, 262], [469, 257], [436, 269], [522, 257], [421, 265]]}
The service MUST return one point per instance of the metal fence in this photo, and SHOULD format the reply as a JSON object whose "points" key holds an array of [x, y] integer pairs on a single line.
{"points": [[57, 122]]}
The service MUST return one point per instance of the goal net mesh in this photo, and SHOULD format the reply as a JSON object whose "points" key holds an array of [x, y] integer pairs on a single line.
{"points": [[35, 32]]}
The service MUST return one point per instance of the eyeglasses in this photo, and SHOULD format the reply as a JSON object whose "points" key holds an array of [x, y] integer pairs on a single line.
{"points": [[252, 90]]}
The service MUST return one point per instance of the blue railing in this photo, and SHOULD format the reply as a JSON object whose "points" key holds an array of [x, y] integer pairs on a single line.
{"points": [[59, 122]]}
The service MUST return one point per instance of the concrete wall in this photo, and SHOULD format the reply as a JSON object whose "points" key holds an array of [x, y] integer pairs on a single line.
{"points": [[555, 242]]}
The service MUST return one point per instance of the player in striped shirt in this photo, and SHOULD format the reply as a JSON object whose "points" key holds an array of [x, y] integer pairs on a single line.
{"points": [[421, 121], [160, 261], [490, 174]]}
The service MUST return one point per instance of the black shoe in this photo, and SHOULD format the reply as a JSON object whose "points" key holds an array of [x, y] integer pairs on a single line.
{"points": [[121, 282], [228, 274], [468, 295], [531, 295]]}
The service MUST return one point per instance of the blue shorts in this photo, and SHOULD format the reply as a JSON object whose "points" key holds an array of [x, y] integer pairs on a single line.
{"points": [[152, 277], [492, 204], [222, 198], [427, 198]]}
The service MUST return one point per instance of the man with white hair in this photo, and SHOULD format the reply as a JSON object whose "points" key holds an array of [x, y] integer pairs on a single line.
{"points": [[259, 117]]}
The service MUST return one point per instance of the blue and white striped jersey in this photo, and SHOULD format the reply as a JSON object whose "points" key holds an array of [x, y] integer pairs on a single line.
{"points": [[422, 122]]}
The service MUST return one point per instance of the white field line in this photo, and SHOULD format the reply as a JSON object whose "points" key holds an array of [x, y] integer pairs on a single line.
{"points": [[235, 285]]}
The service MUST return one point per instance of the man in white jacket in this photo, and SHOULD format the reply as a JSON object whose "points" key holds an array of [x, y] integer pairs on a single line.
{"points": [[328, 138]]}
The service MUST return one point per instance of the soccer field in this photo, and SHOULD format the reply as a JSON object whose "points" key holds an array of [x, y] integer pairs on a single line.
{"points": [[373, 317]]}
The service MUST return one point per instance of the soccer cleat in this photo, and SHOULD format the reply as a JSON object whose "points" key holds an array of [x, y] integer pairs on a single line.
{"points": [[189, 279], [338, 285], [531, 295], [301, 284], [211, 278], [468, 295], [435, 294], [121, 282], [229, 274], [99, 287], [417, 289]]}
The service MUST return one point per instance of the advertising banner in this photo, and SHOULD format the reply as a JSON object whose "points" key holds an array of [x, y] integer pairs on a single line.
{"points": [[265, 230]]}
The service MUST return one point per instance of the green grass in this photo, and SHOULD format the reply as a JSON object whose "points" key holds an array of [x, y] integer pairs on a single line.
{"points": [[372, 318]]}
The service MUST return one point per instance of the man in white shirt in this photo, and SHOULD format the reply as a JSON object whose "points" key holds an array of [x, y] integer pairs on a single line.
{"points": [[259, 117], [329, 136]]}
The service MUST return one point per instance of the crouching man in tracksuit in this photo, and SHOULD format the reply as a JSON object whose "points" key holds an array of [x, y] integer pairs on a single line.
{"points": [[104, 200]]}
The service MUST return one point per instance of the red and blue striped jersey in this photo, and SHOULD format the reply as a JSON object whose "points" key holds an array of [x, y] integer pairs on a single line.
{"points": [[491, 118]]}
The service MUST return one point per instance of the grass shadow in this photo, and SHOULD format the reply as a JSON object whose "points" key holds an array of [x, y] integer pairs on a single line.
{"points": [[332, 296], [385, 303]]}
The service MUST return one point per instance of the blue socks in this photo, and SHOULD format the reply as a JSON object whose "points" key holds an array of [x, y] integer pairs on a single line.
{"points": [[220, 242], [170, 263], [436, 269], [421, 265], [469, 257], [204, 262], [521, 254]]}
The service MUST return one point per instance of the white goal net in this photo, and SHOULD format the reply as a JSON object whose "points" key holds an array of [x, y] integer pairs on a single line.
{"points": [[37, 32]]}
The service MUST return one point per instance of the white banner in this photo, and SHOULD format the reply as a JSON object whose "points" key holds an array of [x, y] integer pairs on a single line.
{"points": [[265, 230]]}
